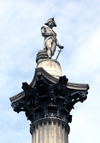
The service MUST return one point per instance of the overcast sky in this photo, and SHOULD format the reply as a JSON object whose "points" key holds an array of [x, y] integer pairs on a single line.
{"points": [[78, 30]]}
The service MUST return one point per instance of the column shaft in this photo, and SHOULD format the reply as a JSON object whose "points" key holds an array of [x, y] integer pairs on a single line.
{"points": [[49, 130]]}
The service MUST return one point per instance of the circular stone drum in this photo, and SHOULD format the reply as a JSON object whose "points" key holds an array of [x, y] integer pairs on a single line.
{"points": [[51, 66]]}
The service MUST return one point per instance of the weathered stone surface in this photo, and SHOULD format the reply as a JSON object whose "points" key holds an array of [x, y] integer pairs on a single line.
{"points": [[41, 55], [49, 130], [52, 67]]}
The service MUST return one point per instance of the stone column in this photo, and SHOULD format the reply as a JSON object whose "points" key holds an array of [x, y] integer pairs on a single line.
{"points": [[47, 103], [49, 130]]}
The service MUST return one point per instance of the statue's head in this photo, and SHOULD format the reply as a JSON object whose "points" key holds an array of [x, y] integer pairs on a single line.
{"points": [[51, 22]]}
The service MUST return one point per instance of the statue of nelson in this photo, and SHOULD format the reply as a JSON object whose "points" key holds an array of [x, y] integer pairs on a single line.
{"points": [[50, 38]]}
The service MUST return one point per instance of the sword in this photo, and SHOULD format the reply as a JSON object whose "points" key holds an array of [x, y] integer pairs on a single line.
{"points": [[58, 53]]}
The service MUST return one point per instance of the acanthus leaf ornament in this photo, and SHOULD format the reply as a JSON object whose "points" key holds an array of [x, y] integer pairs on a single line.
{"points": [[49, 100]]}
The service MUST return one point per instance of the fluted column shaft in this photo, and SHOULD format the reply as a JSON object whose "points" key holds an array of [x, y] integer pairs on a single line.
{"points": [[49, 130]]}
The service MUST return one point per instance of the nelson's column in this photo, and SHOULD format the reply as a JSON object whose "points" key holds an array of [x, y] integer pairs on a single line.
{"points": [[48, 100]]}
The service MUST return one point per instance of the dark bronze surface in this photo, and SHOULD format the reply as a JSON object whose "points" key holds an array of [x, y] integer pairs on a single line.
{"points": [[47, 99]]}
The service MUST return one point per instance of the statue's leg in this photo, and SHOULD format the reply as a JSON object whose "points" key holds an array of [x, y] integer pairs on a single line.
{"points": [[44, 48], [49, 45], [53, 47]]}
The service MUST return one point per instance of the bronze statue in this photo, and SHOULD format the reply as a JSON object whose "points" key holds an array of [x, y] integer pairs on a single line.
{"points": [[50, 38]]}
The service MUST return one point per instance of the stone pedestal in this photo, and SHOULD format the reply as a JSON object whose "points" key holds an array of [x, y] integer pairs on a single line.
{"points": [[51, 66], [49, 130]]}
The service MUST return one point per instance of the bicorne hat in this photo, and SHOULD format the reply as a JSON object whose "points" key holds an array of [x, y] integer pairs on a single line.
{"points": [[51, 19]]}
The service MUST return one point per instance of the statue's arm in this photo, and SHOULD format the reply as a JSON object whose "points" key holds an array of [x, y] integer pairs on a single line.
{"points": [[45, 33], [57, 43]]}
